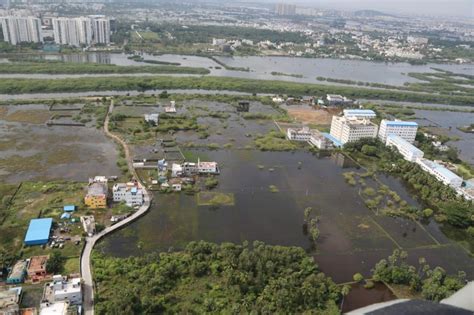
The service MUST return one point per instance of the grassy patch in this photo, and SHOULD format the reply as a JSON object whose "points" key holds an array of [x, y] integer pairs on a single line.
{"points": [[274, 141], [215, 199]]}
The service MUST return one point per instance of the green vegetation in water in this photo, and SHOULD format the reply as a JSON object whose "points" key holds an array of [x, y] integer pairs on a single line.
{"points": [[47, 67], [207, 198], [286, 74], [273, 189], [18, 86], [274, 141], [211, 278], [433, 284]]}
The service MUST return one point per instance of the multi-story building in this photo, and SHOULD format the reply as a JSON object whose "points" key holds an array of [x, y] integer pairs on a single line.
{"points": [[285, 9], [79, 31], [319, 140], [37, 268], [18, 29], [129, 192], [97, 193], [404, 129], [350, 129], [406, 149], [359, 113], [63, 290], [440, 172], [300, 134]]}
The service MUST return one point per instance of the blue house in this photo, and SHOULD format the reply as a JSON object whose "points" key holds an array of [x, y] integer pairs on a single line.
{"points": [[69, 208], [18, 272], [38, 231]]}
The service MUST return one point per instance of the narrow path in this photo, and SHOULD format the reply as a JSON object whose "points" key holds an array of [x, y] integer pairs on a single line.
{"points": [[86, 273]]}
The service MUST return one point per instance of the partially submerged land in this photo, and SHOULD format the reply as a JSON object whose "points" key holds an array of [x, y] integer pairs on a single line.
{"points": [[263, 191]]}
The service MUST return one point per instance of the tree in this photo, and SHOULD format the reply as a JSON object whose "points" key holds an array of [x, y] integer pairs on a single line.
{"points": [[369, 150], [55, 263], [427, 213], [358, 277]]}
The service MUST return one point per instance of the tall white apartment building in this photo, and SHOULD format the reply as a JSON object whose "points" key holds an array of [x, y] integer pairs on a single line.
{"points": [[19, 29], [100, 29], [130, 192], [406, 149], [440, 172], [79, 31], [404, 129], [72, 31], [350, 129]]}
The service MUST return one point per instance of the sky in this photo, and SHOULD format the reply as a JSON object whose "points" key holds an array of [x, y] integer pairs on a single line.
{"points": [[464, 8]]}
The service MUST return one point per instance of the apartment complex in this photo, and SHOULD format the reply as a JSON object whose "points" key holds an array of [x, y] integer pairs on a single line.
{"points": [[301, 134], [440, 172], [79, 31], [350, 129], [19, 29], [131, 193], [406, 149], [285, 9], [404, 129]]}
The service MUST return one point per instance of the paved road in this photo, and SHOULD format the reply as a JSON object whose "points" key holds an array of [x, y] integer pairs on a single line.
{"points": [[86, 273]]}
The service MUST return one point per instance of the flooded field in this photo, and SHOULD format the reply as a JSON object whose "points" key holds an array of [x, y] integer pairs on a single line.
{"points": [[30, 150], [270, 191]]}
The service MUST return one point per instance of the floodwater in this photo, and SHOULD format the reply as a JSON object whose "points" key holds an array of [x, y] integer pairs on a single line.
{"points": [[450, 122], [30, 150], [352, 237], [359, 296], [261, 67]]}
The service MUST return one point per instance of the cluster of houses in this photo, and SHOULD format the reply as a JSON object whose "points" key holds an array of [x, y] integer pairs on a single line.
{"points": [[328, 100], [183, 173], [60, 294], [356, 124], [98, 195]]}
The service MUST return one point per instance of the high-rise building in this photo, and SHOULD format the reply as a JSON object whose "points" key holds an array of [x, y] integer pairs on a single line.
{"points": [[350, 129], [285, 9], [19, 29], [404, 129], [82, 30]]}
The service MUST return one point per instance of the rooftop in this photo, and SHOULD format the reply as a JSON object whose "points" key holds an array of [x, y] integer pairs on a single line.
{"points": [[440, 169], [359, 112], [336, 142], [97, 188], [38, 229], [400, 123], [404, 143], [38, 263]]}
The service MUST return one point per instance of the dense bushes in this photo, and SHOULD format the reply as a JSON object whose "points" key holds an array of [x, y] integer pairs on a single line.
{"points": [[206, 277]]}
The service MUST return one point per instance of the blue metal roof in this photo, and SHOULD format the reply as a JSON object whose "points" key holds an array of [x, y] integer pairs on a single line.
{"points": [[134, 190], [69, 208], [38, 231], [405, 143], [401, 123], [359, 112], [336, 142]]}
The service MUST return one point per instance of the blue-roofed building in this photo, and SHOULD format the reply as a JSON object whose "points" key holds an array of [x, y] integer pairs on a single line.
{"points": [[69, 208], [131, 193], [38, 231], [336, 142], [404, 129], [360, 113], [406, 149], [65, 216], [18, 273]]}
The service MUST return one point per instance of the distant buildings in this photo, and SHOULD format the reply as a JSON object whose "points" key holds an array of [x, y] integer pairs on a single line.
{"points": [[285, 9], [97, 193], [131, 193], [440, 172], [359, 113], [406, 149], [404, 129], [18, 29], [191, 168], [300, 134], [171, 109], [334, 99], [79, 31], [350, 129]]}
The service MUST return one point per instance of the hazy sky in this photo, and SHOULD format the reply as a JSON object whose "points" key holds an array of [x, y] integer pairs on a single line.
{"points": [[463, 8]]}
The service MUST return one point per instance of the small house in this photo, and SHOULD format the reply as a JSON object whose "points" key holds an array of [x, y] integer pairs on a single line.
{"points": [[69, 208], [18, 272]]}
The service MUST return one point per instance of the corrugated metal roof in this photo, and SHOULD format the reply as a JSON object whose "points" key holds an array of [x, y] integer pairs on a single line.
{"points": [[38, 230], [400, 123]]}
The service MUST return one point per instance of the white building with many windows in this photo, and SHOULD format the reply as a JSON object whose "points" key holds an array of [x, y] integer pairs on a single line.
{"points": [[440, 172], [406, 149], [404, 129], [359, 113], [21, 29], [300, 134], [350, 129], [129, 192], [77, 31]]}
